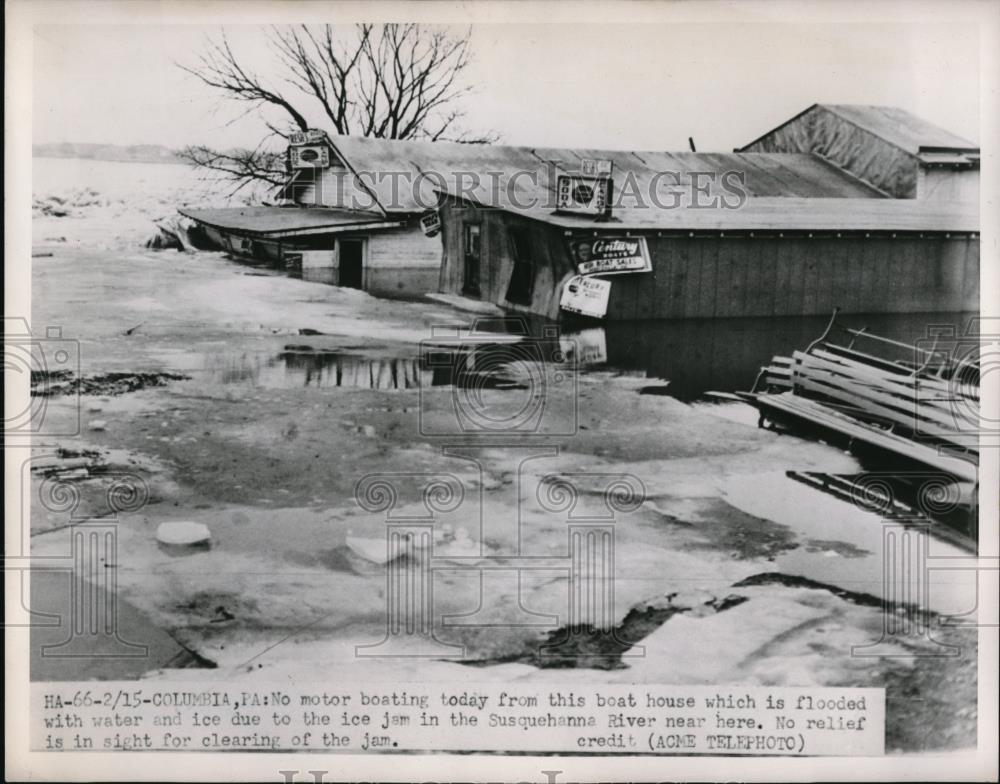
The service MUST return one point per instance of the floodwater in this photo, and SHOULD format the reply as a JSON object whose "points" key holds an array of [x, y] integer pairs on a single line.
{"points": [[286, 393]]}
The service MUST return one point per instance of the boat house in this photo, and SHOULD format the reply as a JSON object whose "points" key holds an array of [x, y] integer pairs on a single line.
{"points": [[840, 206], [803, 238]]}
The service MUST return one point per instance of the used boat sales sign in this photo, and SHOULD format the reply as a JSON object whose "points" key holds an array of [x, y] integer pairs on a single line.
{"points": [[586, 296], [609, 255]]}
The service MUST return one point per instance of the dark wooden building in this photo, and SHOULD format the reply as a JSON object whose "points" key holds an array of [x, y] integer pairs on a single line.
{"points": [[770, 256]]}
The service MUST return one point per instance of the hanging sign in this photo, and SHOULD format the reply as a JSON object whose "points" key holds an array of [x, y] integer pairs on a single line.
{"points": [[606, 255], [585, 296], [430, 223]]}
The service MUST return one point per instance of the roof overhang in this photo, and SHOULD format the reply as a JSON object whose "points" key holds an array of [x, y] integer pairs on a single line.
{"points": [[282, 222]]}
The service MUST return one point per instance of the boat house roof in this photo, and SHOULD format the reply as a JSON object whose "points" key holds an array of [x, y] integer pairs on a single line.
{"points": [[280, 222]]}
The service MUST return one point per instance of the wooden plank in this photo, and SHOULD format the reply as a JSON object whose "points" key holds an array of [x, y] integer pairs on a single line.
{"points": [[868, 293], [970, 288], [769, 273], [850, 295], [758, 280], [645, 303], [796, 280], [883, 406], [817, 413], [695, 278], [913, 382], [912, 394], [709, 282], [783, 266], [899, 394], [810, 272], [664, 281], [679, 272]]}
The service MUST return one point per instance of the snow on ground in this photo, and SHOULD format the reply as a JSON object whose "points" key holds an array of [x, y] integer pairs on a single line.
{"points": [[715, 580]]}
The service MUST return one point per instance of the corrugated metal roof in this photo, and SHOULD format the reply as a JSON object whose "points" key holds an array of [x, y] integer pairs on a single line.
{"points": [[761, 214], [901, 128], [275, 221], [405, 174], [896, 126]]}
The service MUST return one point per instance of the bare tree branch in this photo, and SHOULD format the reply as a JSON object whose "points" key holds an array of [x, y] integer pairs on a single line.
{"points": [[242, 167], [391, 81]]}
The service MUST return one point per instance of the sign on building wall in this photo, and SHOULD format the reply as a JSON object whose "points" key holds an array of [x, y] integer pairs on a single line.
{"points": [[606, 255], [430, 223], [586, 296], [310, 157]]}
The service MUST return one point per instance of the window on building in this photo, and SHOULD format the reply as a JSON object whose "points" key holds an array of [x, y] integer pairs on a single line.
{"points": [[522, 277], [472, 252]]}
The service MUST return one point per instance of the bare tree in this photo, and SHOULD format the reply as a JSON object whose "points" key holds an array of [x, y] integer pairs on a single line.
{"points": [[392, 81]]}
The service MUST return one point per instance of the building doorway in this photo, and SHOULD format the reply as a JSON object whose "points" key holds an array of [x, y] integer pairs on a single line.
{"points": [[351, 264], [472, 250], [522, 276]]}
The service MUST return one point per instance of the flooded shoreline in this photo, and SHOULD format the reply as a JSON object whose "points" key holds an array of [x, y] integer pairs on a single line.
{"points": [[254, 405]]}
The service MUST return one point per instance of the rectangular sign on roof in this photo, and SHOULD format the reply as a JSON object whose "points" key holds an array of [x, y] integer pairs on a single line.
{"points": [[306, 137]]}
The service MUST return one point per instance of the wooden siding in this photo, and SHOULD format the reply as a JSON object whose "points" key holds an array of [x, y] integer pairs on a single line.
{"points": [[402, 262], [550, 257], [728, 277], [713, 276], [334, 187], [402, 248], [943, 184]]}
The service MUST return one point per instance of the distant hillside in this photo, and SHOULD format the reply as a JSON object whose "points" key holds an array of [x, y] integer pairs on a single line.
{"points": [[134, 153]]}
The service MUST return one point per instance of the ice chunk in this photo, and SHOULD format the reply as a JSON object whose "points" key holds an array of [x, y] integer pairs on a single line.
{"points": [[183, 533]]}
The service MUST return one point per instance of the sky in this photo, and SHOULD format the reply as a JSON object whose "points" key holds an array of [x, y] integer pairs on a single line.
{"points": [[625, 86]]}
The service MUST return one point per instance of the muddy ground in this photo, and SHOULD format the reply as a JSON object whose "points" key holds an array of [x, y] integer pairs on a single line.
{"points": [[255, 403]]}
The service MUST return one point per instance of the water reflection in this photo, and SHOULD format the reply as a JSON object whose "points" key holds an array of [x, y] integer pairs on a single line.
{"points": [[724, 355], [686, 358], [481, 365]]}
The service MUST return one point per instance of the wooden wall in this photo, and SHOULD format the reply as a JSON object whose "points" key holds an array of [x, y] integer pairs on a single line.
{"points": [[552, 264], [716, 276], [713, 277], [942, 184], [402, 262]]}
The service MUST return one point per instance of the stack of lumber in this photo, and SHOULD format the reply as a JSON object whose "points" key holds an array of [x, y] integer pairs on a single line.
{"points": [[925, 407], [900, 406]]}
